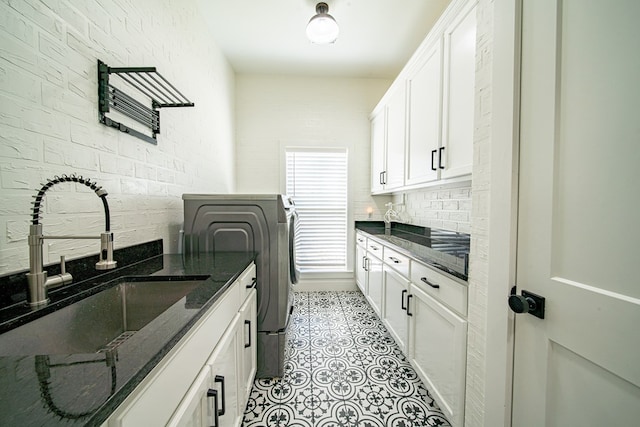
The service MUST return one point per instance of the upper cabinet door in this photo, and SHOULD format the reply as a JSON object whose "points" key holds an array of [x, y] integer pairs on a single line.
{"points": [[378, 150], [459, 94], [423, 139], [396, 127]]}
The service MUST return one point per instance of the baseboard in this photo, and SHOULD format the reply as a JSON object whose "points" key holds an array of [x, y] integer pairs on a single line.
{"points": [[324, 284]]}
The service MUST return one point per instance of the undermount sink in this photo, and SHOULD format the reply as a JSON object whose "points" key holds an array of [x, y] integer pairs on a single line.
{"points": [[99, 322]]}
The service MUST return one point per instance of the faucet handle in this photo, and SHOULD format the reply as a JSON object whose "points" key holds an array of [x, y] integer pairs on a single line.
{"points": [[106, 252], [63, 265]]}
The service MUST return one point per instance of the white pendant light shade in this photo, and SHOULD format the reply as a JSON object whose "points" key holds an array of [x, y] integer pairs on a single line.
{"points": [[322, 28]]}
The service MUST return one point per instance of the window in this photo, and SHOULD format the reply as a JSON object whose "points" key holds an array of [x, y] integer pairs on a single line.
{"points": [[317, 180]]}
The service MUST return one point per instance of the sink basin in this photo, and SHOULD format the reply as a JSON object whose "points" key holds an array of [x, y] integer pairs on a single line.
{"points": [[99, 322]]}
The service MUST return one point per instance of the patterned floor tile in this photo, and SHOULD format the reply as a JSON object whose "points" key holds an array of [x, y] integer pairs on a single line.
{"points": [[343, 369]]}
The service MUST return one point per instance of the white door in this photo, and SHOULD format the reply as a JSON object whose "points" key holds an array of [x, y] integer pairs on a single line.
{"points": [[579, 215]]}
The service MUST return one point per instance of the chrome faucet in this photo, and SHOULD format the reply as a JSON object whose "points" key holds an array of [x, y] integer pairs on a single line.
{"points": [[37, 278]]}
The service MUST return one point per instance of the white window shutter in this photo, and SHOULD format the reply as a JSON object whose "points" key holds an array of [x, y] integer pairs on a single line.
{"points": [[317, 182]]}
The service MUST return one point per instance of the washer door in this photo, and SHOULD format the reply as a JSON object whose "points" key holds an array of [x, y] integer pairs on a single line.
{"points": [[294, 273]]}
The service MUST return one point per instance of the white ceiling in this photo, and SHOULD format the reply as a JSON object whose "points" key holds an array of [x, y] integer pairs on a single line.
{"points": [[377, 37]]}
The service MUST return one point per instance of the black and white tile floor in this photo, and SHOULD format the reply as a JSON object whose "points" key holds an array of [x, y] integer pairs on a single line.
{"points": [[342, 369]]}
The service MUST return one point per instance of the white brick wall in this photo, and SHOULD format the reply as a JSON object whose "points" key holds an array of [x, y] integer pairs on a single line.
{"points": [[477, 380], [49, 121]]}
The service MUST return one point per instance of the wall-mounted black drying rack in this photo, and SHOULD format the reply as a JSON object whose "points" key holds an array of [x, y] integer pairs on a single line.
{"points": [[149, 83]]}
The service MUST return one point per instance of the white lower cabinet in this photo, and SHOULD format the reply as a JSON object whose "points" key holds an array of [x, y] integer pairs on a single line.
{"points": [[374, 291], [248, 345], [437, 350], [213, 398], [425, 313], [361, 269], [210, 368], [394, 314]]}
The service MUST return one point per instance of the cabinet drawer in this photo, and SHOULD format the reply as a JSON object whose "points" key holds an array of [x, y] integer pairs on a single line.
{"points": [[374, 248], [445, 290], [397, 261], [248, 280], [361, 240]]}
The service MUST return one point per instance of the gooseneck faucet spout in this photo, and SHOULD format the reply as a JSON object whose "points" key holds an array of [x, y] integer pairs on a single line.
{"points": [[37, 278]]}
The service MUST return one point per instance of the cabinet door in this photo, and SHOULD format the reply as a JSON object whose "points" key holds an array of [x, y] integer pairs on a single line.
{"points": [[378, 146], [423, 134], [438, 352], [394, 314], [248, 346], [361, 269], [374, 292], [224, 363], [459, 95], [194, 408], [396, 128]]}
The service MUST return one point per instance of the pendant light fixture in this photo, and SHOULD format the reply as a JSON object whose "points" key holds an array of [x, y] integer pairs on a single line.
{"points": [[322, 28]]}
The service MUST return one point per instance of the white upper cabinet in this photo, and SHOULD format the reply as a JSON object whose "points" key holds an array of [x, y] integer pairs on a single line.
{"points": [[378, 149], [388, 128], [459, 94], [425, 121], [423, 140], [396, 127]]}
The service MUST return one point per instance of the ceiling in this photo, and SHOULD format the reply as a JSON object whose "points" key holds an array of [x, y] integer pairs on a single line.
{"points": [[377, 37]]}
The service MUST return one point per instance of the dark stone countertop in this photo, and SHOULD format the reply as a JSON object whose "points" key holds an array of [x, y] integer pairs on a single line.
{"points": [[447, 251], [84, 389]]}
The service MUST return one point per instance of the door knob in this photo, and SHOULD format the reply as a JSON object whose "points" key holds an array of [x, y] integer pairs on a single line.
{"points": [[527, 303]]}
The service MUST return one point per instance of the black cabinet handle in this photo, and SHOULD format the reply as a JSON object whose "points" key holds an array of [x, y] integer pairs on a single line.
{"points": [[254, 281], [220, 379], [402, 305], [394, 259], [433, 166], [433, 285], [214, 393], [408, 303], [248, 322], [440, 157]]}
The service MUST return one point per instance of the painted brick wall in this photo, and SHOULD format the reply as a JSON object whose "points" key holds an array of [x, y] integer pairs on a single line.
{"points": [[477, 380], [49, 121], [447, 207]]}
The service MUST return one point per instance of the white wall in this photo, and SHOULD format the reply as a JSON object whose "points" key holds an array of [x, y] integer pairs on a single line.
{"points": [[49, 121], [276, 111]]}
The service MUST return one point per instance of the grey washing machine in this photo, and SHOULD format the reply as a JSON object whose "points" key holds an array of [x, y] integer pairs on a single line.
{"points": [[261, 223]]}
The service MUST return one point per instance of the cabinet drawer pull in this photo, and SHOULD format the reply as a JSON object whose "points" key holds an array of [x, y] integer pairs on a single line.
{"points": [[402, 304], [440, 158], [394, 259], [220, 379], [373, 248], [248, 323], [214, 393], [433, 285], [433, 166], [408, 304], [253, 283]]}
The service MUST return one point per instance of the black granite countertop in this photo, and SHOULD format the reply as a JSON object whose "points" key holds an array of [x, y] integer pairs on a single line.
{"points": [[447, 251], [84, 389]]}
